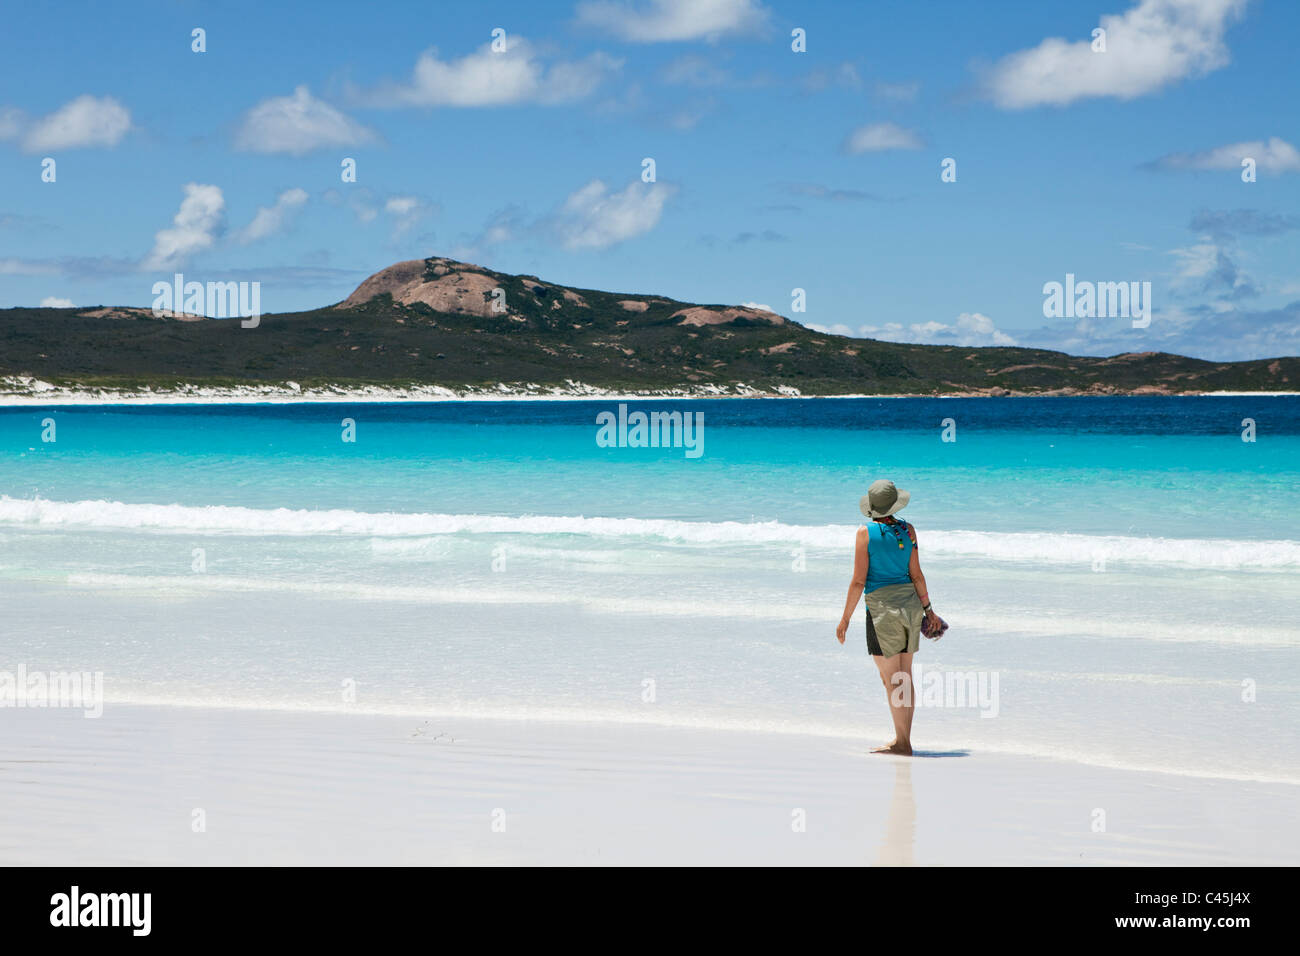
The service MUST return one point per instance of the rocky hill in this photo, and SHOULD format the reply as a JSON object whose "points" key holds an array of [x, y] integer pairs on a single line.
{"points": [[441, 322]]}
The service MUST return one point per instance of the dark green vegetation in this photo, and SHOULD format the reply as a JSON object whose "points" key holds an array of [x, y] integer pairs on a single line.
{"points": [[548, 338]]}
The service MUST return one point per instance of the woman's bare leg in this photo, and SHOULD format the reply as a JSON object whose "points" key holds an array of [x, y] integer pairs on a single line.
{"points": [[905, 666], [899, 694]]}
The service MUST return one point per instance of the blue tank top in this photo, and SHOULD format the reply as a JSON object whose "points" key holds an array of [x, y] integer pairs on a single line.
{"points": [[889, 555]]}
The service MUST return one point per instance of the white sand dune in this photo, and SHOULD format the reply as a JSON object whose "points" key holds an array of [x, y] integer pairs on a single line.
{"points": [[279, 787]]}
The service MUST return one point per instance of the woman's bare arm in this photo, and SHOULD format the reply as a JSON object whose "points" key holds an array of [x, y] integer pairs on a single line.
{"points": [[861, 560], [918, 578]]}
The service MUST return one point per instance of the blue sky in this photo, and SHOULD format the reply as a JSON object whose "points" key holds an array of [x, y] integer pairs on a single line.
{"points": [[775, 169]]}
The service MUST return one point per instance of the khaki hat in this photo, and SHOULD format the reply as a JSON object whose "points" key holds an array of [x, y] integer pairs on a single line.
{"points": [[883, 499]]}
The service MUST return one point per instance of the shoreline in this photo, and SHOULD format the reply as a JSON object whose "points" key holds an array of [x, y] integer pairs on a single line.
{"points": [[201, 786], [35, 393], [750, 729]]}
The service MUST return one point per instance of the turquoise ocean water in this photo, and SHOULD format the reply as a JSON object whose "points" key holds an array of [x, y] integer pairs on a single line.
{"points": [[1127, 569]]}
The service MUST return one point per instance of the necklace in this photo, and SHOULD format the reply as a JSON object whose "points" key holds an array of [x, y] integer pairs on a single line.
{"points": [[898, 528]]}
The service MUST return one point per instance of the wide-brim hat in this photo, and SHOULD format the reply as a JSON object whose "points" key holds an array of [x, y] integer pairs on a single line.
{"points": [[883, 499]]}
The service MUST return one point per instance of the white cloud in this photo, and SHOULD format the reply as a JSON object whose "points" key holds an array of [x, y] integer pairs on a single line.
{"points": [[1195, 262], [839, 328], [594, 218], [84, 121], [758, 305], [26, 267], [12, 122], [692, 114], [1213, 332], [844, 75], [54, 302], [658, 21], [896, 92], [970, 330], [360, 199], [879, 137], [406, 212], [1272, 155], [269, 220], [695, 69], [591, 217], [506, 225], [401, 205], [1211, 268], [487, 78], [194, 228], [1152, 45], [298, 124]]}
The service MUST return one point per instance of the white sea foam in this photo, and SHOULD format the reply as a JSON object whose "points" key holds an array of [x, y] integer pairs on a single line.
{"points": [[970, 621], [1012, 547]]}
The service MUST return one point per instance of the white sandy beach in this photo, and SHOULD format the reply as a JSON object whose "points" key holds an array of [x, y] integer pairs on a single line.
{"points": [[282, 787], [21, 392]]}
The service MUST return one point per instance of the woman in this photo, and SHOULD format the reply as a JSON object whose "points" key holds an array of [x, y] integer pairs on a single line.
{"points": [[887, 572]]}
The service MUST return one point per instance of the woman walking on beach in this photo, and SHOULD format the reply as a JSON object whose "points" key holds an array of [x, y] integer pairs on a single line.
{"points": [[887, 572]]}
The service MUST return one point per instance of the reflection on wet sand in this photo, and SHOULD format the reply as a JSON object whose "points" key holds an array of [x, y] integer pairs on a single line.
{"points": [[900, 827]]}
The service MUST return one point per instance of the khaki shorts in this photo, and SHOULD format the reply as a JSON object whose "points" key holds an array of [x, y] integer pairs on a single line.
{"points": [[893, 620]]}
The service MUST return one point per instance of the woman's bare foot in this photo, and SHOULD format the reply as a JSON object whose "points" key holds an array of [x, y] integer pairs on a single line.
{"points": [[901, 750]]}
